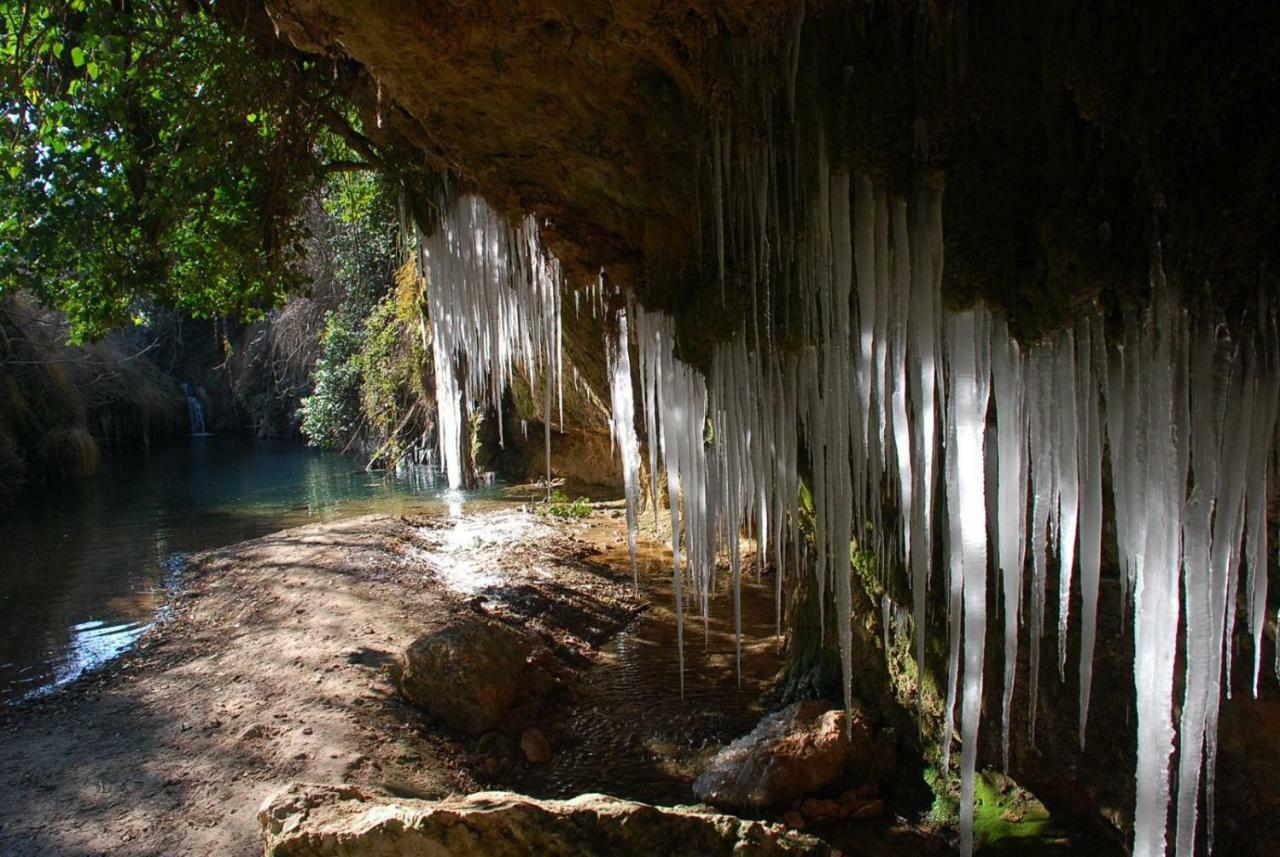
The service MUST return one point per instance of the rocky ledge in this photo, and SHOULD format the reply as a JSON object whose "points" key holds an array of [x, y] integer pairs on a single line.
{"points": [[344, 821]]}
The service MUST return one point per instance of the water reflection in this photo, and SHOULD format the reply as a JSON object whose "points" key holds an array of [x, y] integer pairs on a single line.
{"points": [[85, 566]]}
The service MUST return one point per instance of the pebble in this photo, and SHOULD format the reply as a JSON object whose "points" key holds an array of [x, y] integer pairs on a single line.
{"points": [[535, 746]]}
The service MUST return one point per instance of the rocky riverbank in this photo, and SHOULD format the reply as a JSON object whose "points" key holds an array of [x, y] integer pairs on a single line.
{"points": [[279, 663], [408, 661]]}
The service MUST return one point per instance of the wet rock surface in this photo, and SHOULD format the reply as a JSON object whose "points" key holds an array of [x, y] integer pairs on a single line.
{"points": [[466, 674], [795, 752], [326, 821]]}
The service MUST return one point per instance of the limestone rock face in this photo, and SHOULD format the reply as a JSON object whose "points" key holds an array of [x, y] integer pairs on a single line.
{"points": [[329, 821], [465, 675], [792, 753], [597, 119]]}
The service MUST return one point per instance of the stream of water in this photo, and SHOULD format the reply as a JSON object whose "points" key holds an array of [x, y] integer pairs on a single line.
{"points": [[86, 565], [630, 733]]}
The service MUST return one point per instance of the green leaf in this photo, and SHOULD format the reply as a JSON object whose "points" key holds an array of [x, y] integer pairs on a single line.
{"points": [[167, 162]]}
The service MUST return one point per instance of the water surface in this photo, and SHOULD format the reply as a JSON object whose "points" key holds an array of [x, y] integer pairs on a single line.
{"points": [[631, 732], [86, 565]]}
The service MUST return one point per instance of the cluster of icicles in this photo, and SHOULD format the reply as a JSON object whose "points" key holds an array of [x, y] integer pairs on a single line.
{"points": [[962, 427], [494, 299]]}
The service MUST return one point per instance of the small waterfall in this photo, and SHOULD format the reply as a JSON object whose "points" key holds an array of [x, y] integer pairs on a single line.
{"points": [[195, 410]]}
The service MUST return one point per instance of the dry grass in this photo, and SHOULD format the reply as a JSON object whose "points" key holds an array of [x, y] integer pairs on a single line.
{"points": [[59, 403]]}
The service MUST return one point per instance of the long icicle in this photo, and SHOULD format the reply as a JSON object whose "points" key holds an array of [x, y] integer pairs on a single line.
{"points": [[970, 381]]}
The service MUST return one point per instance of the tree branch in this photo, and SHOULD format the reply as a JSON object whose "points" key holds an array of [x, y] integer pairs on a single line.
{"points": [[357, 141], [347, 167]]}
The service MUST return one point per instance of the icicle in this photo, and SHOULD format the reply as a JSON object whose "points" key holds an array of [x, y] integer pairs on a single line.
{"points": [[1159, 416], [449, 410], [901, 291], [1133, 452], [1116, 446], [969, 387], [1011, 519], [677, 395], [955, 580], [1264, 425], [649, 343], [1090, 347], [926, 278], [623, 419], [546, 424], [673, 430], [864, 254], [1067, 478], [494, 305], [1211, 377], [1228, 527], [885, 606], [1040, 412]]}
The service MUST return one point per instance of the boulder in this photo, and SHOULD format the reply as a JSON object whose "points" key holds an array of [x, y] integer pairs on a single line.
{"points": [[792, 753], [466, 675], [346, 821]]}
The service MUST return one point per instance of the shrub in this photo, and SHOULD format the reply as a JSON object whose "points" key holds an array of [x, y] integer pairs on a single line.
{"points": [[558, 505], [331, 414]]}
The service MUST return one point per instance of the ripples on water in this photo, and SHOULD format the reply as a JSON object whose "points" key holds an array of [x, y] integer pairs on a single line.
{"points": [[86, 566]]}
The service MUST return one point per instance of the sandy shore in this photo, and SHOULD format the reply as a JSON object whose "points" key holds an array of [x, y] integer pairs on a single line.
{"points": [[277, 665]]}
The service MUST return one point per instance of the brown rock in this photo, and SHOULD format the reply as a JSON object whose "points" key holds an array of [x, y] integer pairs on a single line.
{"points": [[536, 747], [790, 754], [539, 682], [816, 809], [870, 809], [342, 821], [466, 674]]}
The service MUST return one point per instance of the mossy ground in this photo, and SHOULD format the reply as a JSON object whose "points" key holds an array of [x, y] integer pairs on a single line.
{"points": [[1007, 818]]}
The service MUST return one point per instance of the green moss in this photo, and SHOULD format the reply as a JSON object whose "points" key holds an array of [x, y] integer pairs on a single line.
{"points": [[1007, 818], [1006, 814]]}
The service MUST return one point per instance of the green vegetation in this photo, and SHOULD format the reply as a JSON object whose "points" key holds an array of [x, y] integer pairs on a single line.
{"points": [[558, 505], [168, 154], [331, 414], [370, 382], [155, 152], [397, 365], [1006, 816]]}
